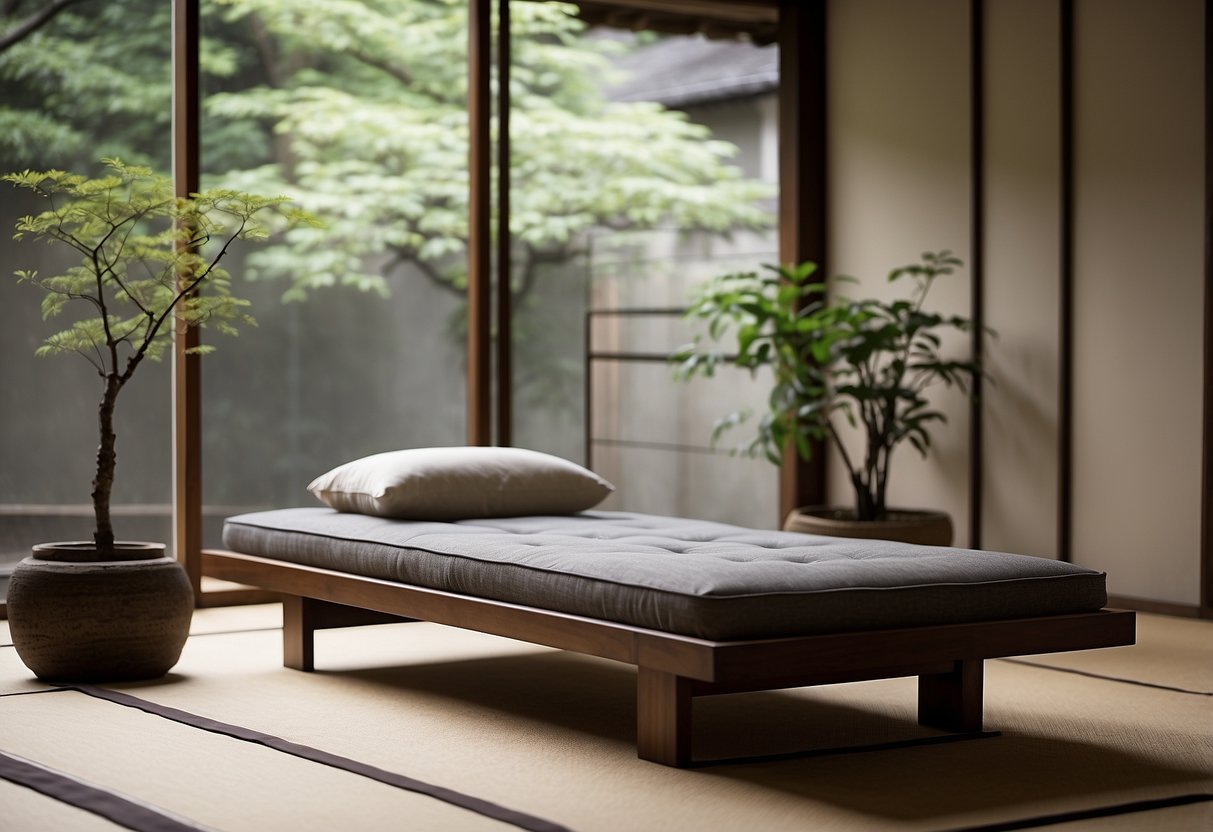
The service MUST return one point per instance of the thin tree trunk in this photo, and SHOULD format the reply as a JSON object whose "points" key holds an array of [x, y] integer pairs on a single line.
{"points": [[33, 23], [864, 509], [103, 483]]}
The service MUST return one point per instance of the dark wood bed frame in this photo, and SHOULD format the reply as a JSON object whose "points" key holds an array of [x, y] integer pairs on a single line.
{"points": [[673, 669]]}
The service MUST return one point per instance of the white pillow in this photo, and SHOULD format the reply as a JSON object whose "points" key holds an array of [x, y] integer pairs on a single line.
{"points": [[459, 483]]}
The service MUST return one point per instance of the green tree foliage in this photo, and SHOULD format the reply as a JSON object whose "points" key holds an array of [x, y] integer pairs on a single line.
{"points": [[146, 259], [370, 102], [863, 362], [94, 80], [90, 81], [358, 109]]}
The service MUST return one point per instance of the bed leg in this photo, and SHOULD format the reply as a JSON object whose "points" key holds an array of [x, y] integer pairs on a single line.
{"points": [[298, 629], [663, 717], [952, 701]]}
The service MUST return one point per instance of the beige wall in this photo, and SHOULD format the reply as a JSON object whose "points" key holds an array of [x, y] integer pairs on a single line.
{"points": [[900, 173], [1022, 250], [898, 139], [1138, 241]]}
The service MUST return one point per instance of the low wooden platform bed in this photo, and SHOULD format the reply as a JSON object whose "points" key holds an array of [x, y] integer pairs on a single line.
{"points": [[699, 608]]}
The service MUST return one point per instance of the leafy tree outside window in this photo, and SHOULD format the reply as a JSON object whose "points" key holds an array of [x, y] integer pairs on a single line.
{"points": [[357, 111]]}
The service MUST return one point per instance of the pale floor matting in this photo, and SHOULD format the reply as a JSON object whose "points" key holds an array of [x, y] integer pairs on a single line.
{"points": [[1174, 652], [552, 734], [79, 735]]}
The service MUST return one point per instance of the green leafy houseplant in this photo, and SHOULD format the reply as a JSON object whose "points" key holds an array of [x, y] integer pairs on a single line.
{"points": [[867, 363], [147, 259]]}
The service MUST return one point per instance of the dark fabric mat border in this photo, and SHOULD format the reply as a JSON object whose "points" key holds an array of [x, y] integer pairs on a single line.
{"points": [[32, 692], [894, 745], [208, 633], [241, 631], [65, 788], [1091, 814], [459, 799], [1121, 679]]}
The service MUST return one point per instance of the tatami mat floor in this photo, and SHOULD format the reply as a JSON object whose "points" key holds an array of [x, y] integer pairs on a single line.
{"points": [[1107, 740]]}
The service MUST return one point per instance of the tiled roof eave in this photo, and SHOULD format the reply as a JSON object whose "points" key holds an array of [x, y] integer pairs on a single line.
{"points": [[707, 91]]}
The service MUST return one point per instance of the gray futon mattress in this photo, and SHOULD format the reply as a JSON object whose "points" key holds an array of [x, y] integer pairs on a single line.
{"points": [[693, 577]]}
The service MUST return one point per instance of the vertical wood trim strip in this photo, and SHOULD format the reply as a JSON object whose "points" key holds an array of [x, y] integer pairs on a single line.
{"points": [[588, 389], [505, 386], [479, 358], [977, 264], [187, 373], [1065, 374], [802, 191], [1206, 484]]}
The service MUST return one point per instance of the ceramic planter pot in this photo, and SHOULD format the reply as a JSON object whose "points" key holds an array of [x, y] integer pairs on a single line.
{"points": [[75, 619], [926, 528]]}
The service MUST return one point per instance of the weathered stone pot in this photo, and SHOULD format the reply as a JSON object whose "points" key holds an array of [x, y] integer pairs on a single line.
{"points": [[77, 619], [926, 528]]}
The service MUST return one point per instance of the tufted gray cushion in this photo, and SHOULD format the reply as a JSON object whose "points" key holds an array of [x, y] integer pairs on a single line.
{"points": [[683, 576]]}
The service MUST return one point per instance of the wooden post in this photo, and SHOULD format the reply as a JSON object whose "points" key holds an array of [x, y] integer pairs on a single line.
{"points": [[298, 633], [1206, 471], [952, 701], [505, 306], [1065, 334], [187, 374], [977, 214], [663, 717], [802, 191], [479, 359]]}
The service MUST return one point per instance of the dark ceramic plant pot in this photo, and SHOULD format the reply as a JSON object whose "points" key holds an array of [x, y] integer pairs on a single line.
{"points": [[926, 528], [74, 619]]}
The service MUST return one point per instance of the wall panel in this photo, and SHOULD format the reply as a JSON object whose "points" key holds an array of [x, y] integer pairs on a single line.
{"points": [[1139, 204], [900, 174], [1022, 228], [899, 154]]}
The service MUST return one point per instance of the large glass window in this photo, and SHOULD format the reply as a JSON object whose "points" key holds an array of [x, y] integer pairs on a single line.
{"points": [[651, 171], [85, 84], [649, 434], [358, 111], [624, 197]]}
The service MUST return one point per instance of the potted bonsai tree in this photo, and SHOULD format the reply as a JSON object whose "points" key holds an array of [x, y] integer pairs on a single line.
{"points": [[108, 609], [835, 361]]}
